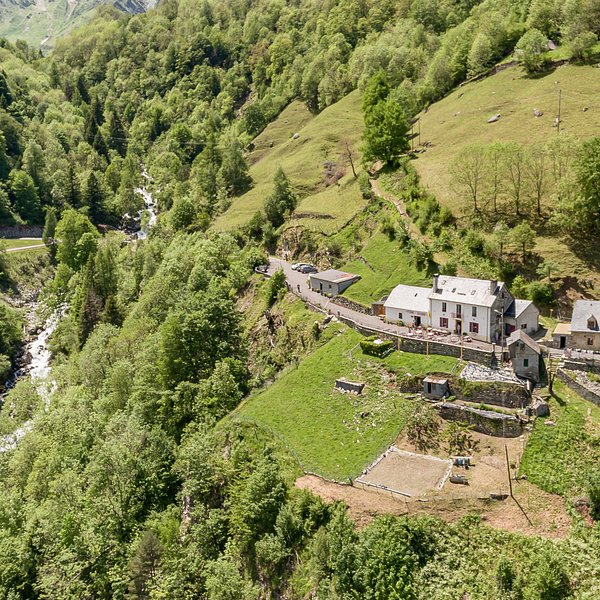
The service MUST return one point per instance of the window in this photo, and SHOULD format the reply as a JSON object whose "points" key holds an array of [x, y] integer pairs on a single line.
{"points": [[525, 362], [444, 307], [400, 316], [523, 325], [474, 311], [590, 341], [443, 323], [474, 327], [458, 310]]}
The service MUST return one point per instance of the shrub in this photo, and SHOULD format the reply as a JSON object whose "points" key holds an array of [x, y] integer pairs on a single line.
{"points": [[593, 491], [275, 287], [474, 242], [373, 346], [364, 185], [541, 293]]}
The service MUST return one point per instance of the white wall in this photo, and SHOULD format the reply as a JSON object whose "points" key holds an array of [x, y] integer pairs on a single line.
{"points": [[482, 318], [530, 317], [392, 315]]}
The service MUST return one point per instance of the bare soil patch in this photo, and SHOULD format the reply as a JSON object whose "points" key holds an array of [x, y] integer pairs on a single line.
{"points": [[413, 475], [546, 511]]}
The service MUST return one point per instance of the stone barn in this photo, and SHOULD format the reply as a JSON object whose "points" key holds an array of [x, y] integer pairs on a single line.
{"points": [[525, 355]]}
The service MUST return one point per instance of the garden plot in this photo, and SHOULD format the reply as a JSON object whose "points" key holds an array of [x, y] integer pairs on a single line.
{"points": [[406, 473]]}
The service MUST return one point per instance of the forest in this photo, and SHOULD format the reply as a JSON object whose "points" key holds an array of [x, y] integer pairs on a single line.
{"points": [[138, 482]]}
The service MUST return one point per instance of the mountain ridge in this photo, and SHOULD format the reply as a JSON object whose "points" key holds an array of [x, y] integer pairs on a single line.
{"points": [[41, 22]]}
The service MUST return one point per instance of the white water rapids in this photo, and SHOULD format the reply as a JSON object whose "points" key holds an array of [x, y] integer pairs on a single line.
{"points": [[38, 366], [39, 370]]}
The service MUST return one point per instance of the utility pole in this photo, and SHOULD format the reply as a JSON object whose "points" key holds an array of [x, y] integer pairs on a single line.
{"points": [[559, 106], [508, 470]]}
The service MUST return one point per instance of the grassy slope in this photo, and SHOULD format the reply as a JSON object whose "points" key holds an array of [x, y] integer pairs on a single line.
{"points": [[460, 119], [390, 266], [321, 138], [18, 243], [560, 459], [324, 427]]}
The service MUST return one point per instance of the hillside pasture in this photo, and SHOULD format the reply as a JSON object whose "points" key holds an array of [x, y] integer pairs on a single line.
{"points": [[460, 118], [385, 264], [321, 139], [333, 434]]}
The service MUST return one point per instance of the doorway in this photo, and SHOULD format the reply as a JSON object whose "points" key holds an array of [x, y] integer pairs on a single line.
{"points": [[458, 329], [563, 342]]}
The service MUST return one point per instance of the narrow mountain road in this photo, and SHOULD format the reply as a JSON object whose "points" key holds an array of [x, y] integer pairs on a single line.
{"points": [[298, 283], [299, 286]]}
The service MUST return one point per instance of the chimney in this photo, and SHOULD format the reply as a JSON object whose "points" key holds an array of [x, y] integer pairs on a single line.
{"points": [[493, 286], [436, 288]]}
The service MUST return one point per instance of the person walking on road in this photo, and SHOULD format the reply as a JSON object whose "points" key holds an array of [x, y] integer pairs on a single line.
{"points": [[298, 288]]}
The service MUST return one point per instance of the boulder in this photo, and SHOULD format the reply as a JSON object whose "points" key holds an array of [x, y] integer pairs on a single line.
{"points": [[538, 408]]}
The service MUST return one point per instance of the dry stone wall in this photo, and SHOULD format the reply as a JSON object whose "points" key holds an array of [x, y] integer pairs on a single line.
{"points": [[577, 386], [483, 421]]}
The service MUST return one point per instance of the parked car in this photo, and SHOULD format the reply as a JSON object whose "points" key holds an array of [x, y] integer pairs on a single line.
{"points": [[298, 266], [308, 269]]}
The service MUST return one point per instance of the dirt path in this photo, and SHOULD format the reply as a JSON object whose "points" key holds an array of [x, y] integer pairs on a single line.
{"points": [[25, 248], [547, 512]]}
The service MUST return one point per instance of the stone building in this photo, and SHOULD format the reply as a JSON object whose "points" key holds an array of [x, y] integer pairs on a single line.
{"points": [[585, 325], [525, 355]]}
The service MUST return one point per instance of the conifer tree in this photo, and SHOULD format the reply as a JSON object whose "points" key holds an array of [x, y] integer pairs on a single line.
{"points": [[72, 193], [282, 200], [4, 165], [6, 97], [82, 89], [117, 137], [93, 198], [49, 227]]}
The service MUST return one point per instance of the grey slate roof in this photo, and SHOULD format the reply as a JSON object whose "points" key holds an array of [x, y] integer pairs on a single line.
{"points": [[582, 311], [517, 308], [466, 291], [334, 276], [410, 298], [521, 336]]}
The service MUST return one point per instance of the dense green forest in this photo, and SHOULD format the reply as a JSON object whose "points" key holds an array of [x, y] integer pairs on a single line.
{"points": [[137, 482]]}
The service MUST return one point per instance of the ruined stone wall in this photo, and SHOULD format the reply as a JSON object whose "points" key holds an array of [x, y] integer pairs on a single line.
{"points": [[483, 421], [572, 364], [499, 393], [577, 387]]}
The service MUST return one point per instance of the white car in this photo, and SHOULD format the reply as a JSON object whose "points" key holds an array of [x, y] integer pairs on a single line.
{"points": [[298, 266]]}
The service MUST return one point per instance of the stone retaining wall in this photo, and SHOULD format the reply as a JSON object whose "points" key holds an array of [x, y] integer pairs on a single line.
{"points": [[468, 352], [19, 231], [593, 365], [499, 393], [346, 303], [577, 387], [483, 421]]}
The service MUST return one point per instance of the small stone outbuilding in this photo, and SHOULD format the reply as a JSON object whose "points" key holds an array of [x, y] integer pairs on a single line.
{"points": [[435, 387], [525, 355], [561, 337], [332, 282]]}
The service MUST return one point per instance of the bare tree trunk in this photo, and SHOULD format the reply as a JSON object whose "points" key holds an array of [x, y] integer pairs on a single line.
{"points": [[350, 159]]}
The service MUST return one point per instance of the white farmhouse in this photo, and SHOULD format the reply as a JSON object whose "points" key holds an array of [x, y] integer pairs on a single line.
{"points": [[408, 304], [476, 307]]}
